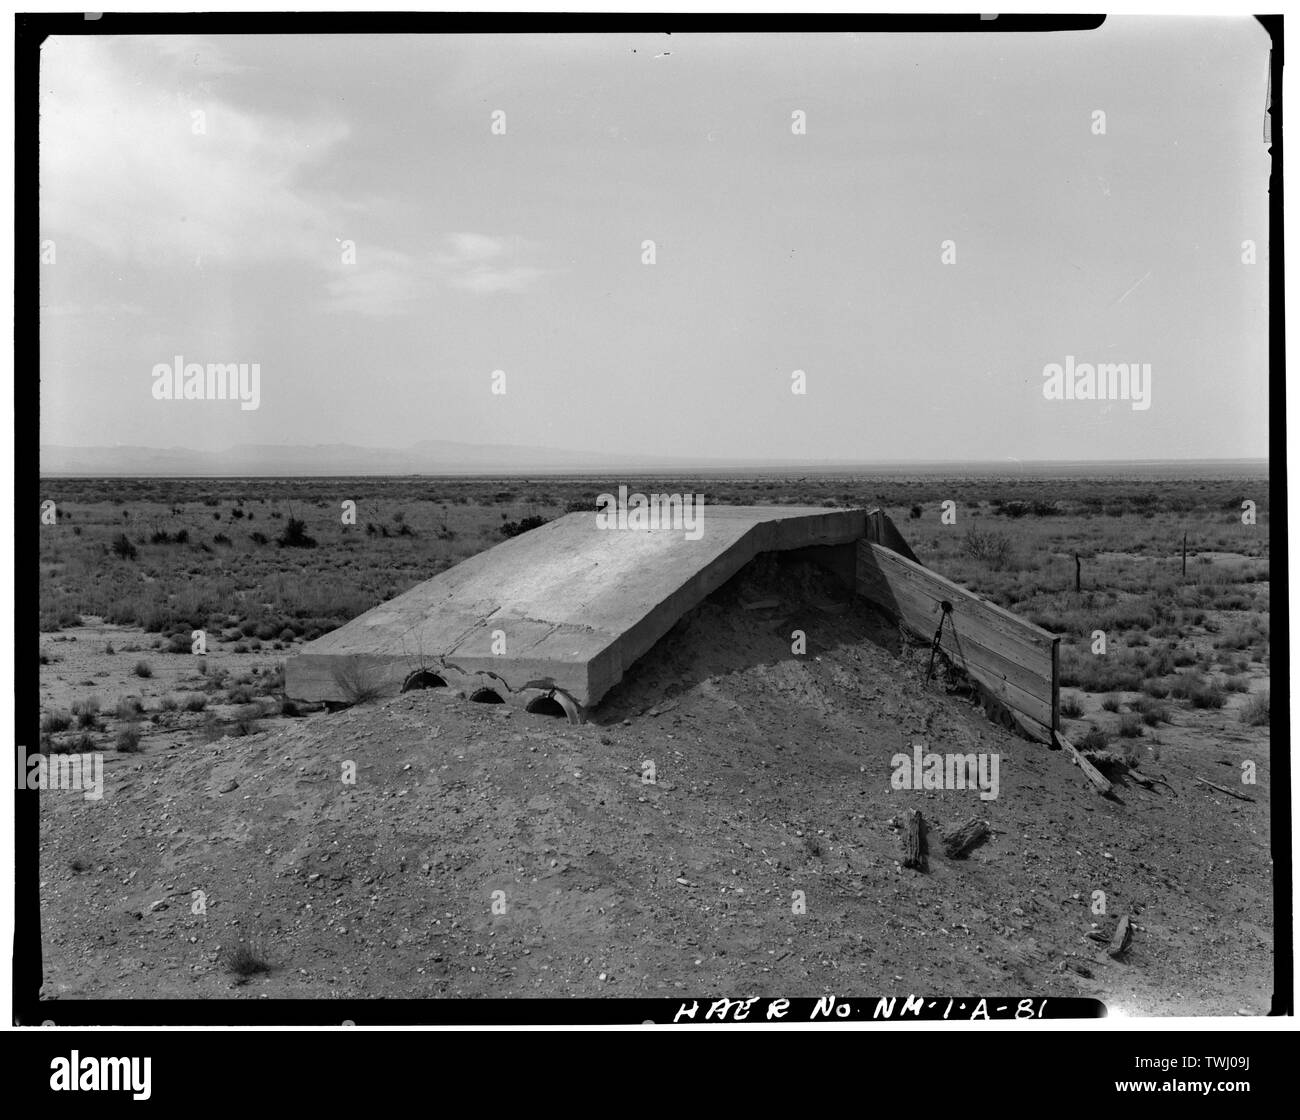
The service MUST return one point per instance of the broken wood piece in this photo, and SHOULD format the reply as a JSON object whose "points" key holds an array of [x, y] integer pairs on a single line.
{"points": [[958, 841], [1229, 792], [761, 604], [1095, 776], [915, 842], [1150, 783], [1123, 937]]}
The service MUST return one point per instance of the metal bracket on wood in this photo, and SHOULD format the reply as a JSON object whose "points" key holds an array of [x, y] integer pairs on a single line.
{"points": [[938, 635]]}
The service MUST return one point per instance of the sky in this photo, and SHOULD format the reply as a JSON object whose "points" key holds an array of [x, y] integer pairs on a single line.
{"points": [[340, 211]]}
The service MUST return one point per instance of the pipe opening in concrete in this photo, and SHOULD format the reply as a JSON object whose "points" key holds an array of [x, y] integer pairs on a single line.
{"points": [[423, 679], [547, 706], [487, 696]]}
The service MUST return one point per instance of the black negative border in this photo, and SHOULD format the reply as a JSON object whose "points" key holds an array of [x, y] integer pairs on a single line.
{"points": [[30, 30]]}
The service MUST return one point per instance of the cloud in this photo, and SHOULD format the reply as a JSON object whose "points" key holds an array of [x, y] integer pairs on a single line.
{"points": [[385, 282], [153, 170], [477, 263], [142, 160], [485, 280]]}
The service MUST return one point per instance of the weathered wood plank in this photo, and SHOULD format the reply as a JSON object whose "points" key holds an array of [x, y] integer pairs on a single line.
{"points": [[928, 589], [1095, 776], [1015, 660]]}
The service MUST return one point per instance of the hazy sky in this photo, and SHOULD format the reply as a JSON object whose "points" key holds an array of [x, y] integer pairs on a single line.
{"points": [[522, 252]]}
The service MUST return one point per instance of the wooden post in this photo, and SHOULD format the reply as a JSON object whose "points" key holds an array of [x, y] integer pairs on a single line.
{"points": [[915, 841], [1076, 573], [1184, 554]]}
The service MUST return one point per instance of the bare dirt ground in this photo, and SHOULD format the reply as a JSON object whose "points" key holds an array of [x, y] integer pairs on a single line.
{"points": [[772, 776]]}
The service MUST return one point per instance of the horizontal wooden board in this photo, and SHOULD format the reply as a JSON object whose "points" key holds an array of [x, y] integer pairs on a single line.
{"points": [[1014, 659]]}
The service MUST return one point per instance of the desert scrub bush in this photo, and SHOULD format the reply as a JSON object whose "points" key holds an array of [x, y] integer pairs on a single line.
{"points": [[53, 722], [178, 643], [87, 713], [1071, 707], [1130, 725], [128, 740], [123, 548], [245, 721], [108, 649], [289, 708], [143, 670], [523, 525], [168, 703], [295, 535], [1255, 711], [357, 680], [195, 702], [129, 709], [1236, 684], [1110, 702], [244, 957], [1157, 688], [240, 694], [1100, 674], [1195, 689], [1151, 712], [990, 548], [58, 618], [1095, 740], [1242, 636]]}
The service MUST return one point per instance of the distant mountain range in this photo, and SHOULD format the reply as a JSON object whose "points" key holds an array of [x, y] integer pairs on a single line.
{"points": [[259, 460], [448, 457]]}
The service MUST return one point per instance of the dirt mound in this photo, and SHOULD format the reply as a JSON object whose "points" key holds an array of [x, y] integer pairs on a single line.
{"points": [[725, 824]]}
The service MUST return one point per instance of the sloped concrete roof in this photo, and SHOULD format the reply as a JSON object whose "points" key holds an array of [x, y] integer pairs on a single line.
{"points": [[567, 606]]}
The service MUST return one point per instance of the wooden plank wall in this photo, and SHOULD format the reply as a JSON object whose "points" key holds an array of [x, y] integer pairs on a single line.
{"points": [[1012, 658]]}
